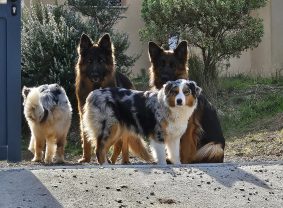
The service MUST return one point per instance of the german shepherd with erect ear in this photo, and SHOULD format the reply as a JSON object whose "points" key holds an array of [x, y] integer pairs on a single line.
{"points": [[203, 141], [96, 69]]}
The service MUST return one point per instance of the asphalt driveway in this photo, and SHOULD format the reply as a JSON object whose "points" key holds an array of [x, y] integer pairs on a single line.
{"points": [[206, 185]]}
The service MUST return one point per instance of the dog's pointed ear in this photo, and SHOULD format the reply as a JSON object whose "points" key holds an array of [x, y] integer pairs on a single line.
{"points": [[167, 87], [105, 42], [85, 43], [25, 92], [181, 50], [154, 51]]}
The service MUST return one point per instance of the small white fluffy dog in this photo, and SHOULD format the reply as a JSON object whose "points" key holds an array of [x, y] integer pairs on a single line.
{"points": [[48, 113]]}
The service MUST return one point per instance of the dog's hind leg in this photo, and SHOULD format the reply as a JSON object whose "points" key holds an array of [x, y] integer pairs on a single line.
{"points": [[32, 144], [86, 145], [121, 146], [61, 142], [105, 142], [38, 144], [50, 149], [125, 150], [101, 151], [116, 151]]}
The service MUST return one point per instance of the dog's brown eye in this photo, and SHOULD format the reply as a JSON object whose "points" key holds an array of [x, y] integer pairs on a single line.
{"points": [[186, 92], [174, 92]]}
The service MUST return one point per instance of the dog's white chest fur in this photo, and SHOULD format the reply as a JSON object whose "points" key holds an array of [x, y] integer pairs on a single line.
{"points": [[178, 121], [177, 124]]}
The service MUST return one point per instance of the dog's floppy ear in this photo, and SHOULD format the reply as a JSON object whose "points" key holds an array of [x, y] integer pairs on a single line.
{"points": [[154, 50], [85, 43], [198, 90], [195, 89], [181, 51], [25, 92], [105, 42], [167, 87]]}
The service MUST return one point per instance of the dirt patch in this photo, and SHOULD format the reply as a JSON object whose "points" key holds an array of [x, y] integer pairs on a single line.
{"points": [[167, 201], [263, 146]]}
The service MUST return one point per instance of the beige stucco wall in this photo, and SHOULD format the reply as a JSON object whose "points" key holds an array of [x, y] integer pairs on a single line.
{"points": [[256, 61], [266, 59], [131, 25], [277, 35]]}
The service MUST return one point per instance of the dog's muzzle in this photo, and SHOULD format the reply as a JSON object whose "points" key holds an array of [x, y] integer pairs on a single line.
{"points": [[179, 101], [94, 77]]}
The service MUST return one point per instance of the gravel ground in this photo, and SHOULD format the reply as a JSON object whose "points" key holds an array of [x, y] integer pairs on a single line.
{"points": [[259, 147], [206, 185]]}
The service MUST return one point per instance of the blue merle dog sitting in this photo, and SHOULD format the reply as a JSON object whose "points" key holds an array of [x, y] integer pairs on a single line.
{"points": [[162, 116]]}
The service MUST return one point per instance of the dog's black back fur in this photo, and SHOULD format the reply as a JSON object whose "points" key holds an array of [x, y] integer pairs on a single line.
{"points": [[124, 111], [210, 123]]}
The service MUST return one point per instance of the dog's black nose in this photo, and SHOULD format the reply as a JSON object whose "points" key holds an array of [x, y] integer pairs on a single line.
{"points": [[179, 101]]}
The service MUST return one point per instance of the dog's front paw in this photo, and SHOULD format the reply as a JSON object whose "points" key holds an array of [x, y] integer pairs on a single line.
{"points": [[84, 160], [47, 160], [60, 160], [168, 161], [36, 159], [162, 162], [126, 163], [174, 162]]}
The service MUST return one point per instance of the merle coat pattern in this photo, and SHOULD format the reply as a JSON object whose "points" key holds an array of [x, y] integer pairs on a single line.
{"points": [[48, 113], [160, 116]]}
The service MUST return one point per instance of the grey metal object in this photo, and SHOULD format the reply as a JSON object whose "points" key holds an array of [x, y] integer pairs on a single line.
{"points": [[10, 81]]}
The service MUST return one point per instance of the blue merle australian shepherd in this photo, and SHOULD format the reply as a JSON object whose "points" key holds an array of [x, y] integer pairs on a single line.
{"points": [[161, 116], [48, 112]]}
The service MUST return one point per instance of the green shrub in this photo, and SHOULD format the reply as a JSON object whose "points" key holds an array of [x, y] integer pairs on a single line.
{"points": [[196, 73], [141, 81], [50, 35], [220, 29]]}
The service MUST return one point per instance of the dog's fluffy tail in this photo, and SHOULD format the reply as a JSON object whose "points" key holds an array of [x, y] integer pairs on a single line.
{"points": [[210, 153], [33, 108], [138, 148]]}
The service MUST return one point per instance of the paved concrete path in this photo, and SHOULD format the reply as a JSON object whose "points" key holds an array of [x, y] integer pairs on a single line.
{"points": [[224, 185]]}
